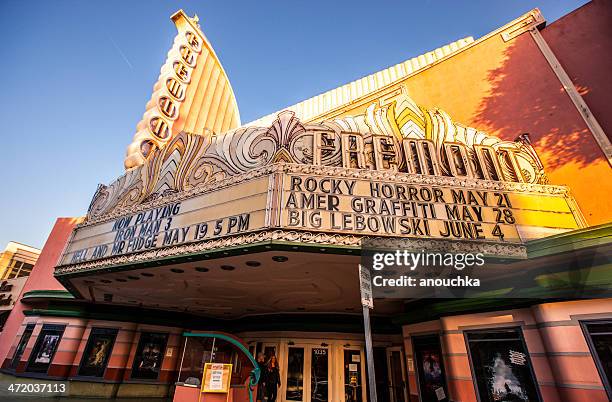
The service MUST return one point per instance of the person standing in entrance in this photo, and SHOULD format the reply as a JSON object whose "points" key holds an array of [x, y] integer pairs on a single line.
{"points": [[272, 378], [261, 363]]}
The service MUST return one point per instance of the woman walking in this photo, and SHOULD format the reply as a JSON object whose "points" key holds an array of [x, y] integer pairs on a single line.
{"points": [[272, 379]]}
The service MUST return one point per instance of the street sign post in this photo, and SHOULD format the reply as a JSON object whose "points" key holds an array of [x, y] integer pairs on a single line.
{"points": [[367, 303]]}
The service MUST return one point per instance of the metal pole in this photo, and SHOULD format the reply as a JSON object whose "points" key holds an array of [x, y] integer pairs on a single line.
{"points": [[212, 351], [182, 358], [369, 354]]}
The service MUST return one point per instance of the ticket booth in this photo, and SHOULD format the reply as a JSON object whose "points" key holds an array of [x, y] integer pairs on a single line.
{"points": [[215, 367]]}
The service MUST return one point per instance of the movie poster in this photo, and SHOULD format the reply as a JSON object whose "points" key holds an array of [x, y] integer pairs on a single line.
{"points": [[45, 353], [430, 369], [502, 367], [97, 352], [149, 355], [45, 348]]}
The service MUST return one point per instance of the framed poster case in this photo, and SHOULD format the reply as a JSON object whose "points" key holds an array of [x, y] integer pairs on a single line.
{"points": [[216, 378]]}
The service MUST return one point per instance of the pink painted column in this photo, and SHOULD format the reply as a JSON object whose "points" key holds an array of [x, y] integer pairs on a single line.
{"points": [[41, 278]]}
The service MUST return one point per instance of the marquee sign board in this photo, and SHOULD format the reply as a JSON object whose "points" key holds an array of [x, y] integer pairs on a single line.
{"points": [[300, 198], [398, 209], [227, 211]]}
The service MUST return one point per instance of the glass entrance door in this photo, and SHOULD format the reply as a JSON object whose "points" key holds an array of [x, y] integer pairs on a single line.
{"points": [[353, 378], [319, 374], [269, 350], [308, 373], [295, 374], [397, 375]]}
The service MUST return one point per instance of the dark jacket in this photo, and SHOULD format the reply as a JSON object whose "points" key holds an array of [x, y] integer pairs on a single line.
{"points": [[262, 371], [261, 384], [271, 376]]}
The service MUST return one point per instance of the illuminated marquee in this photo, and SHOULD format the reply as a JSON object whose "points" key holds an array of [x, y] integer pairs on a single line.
{"points": [[398, 207], [324, 205]]}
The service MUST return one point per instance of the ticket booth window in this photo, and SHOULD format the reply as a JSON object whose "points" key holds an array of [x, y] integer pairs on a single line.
{"points": [[501, 366], [149, 355], [599, 337], [197, 351], [45, 348]]}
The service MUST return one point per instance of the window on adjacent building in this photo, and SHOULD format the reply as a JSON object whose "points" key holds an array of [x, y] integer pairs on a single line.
{"points": [[18, 269], [501, 366], [45, 348], [149, 355], [15, 266], [97, 352], [599, 337], [23, 342], [353, 383], [26, 269]]}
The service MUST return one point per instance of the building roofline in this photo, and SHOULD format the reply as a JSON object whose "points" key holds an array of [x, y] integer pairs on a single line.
{"points": [[21, 246], [314, 108]]}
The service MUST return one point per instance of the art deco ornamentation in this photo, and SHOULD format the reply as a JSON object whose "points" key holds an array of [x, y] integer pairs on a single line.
{"points": [[192, 94], [398, 137]]}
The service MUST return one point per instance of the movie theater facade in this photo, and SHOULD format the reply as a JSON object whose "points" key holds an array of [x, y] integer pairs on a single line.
{"points": [[224, 240]]}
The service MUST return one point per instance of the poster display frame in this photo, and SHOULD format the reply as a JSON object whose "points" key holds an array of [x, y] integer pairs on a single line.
{"points": [[226, 379], [521, 339]]}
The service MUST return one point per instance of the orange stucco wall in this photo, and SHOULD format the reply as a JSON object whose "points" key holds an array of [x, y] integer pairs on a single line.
{"points": [[582, 40], [508, 88]]}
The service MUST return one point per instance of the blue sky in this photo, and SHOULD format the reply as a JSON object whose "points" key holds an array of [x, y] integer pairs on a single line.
{"points": [[76, 75]]}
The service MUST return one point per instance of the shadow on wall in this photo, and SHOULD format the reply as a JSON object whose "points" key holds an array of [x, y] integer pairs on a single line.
{"points": [[526, 96]]}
